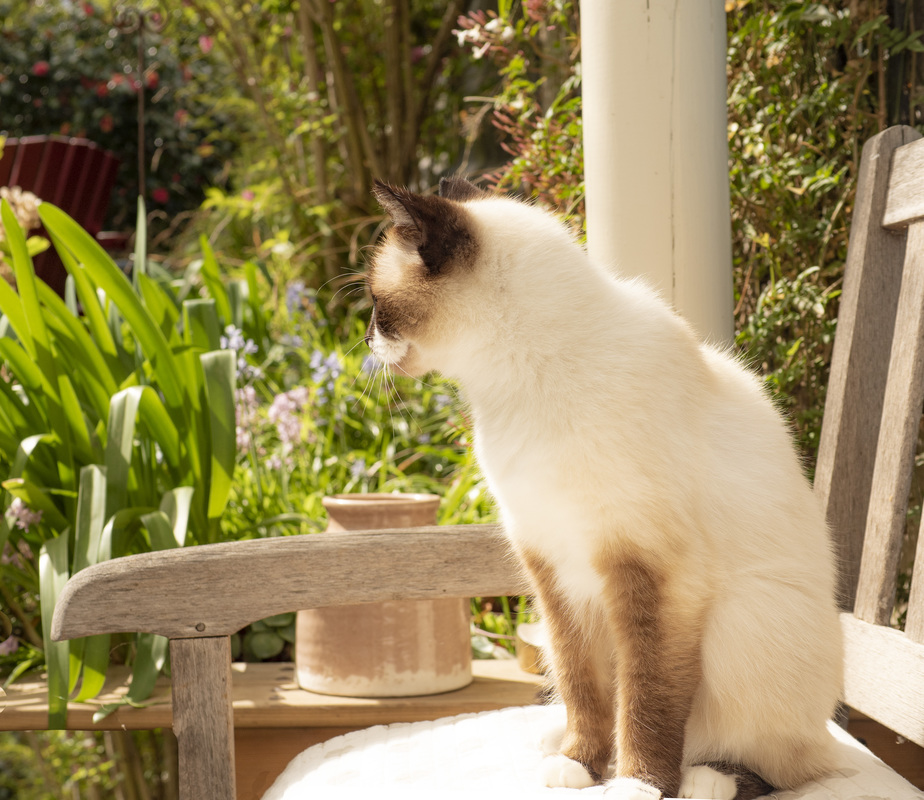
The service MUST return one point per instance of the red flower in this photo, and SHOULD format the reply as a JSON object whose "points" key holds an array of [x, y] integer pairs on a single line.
{"points": [[88, 9], [106, 124], [160, 195], [102, 89], [40, 69], [152, 80]]}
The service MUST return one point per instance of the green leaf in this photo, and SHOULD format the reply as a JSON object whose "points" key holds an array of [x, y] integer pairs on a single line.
{"points": [[160, 425], [53, 574], [141, 244], [160, 531], [211, 275], [161, 306], [117, 287], [37, 499], [220, 374], [90, 656], [120, 440], [200, 324], [176, 505], [150, 656]]}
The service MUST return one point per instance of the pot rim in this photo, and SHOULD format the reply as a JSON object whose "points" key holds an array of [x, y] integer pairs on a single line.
{"points": [[364, 498]]}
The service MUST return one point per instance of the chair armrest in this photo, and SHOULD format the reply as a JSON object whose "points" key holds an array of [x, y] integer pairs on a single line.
{"points": [[215, 590]]}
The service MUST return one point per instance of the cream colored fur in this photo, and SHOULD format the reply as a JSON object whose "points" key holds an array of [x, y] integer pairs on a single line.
{"points": [[600, 416]]}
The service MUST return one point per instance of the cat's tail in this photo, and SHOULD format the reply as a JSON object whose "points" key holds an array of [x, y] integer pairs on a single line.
{"points": [[721, 780]]}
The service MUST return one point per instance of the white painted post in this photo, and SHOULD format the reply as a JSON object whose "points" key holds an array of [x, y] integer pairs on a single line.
{"points": [[656, 150]]}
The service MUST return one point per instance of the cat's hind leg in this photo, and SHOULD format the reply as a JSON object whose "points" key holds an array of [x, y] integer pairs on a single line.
{"points": [[581, 665]]}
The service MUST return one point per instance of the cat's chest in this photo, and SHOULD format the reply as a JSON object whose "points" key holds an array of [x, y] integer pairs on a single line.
{"points": [[547, 511]]}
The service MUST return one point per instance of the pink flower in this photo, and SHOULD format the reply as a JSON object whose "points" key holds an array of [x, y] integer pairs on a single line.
{"points": [[205, 44], [22, 516], [248, 195], [160, 195], [40, 69]]}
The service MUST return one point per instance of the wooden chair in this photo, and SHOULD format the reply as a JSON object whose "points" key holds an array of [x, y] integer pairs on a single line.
{"points": [[199, 596], [72, 173]]}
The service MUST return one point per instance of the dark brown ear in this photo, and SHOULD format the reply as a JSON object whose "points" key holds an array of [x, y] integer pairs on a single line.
{"points": [[397, 203], [461, 190], [436, 227]]}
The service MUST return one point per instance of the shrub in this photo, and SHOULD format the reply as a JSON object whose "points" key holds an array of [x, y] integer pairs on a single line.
{"points": [[65, 68]]}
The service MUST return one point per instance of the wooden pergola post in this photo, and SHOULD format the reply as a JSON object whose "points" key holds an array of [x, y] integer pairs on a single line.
{"points": [[656, 150]]}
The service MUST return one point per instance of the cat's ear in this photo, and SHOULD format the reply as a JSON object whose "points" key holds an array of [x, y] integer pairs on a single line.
{"points": [[399, 205], [461, 190]]}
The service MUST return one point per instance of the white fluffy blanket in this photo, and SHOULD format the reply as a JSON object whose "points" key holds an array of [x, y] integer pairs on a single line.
{"points": [[497, 754]]}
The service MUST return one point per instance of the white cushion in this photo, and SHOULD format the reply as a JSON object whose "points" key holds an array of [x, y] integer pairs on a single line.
{"points": [[497, 754]]}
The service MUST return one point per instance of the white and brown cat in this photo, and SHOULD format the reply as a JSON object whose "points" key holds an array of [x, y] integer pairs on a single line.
{"points": [[648, 485]]}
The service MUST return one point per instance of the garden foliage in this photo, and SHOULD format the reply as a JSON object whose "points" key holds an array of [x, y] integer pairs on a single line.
{"points": [[68, 68]]}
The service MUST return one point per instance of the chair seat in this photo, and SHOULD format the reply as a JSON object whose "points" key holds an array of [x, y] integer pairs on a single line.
{"points": [[497, 754]]}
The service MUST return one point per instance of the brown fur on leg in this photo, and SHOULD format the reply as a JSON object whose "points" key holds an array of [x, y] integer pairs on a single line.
{"points": [[582, 673], [659, 670]]}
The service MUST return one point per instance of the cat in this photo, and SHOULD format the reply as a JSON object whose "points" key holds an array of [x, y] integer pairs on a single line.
{"points": [[647, 484]]}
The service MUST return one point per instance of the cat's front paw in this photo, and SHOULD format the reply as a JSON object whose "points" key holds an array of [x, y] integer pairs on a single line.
{"points": [[561, 771], [705, 783], [631, 789]]}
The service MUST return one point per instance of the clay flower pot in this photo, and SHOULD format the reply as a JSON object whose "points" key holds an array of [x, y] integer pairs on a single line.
{"points": [[390, 649]]}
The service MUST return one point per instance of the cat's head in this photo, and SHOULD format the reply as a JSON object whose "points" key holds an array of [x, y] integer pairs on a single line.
{"points": [[424, 274]]}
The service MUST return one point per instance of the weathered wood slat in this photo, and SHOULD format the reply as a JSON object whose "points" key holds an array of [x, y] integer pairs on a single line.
{"points": [[914, 622], [884, 676], [905, 203], [215, 590], [203, 720], [901, 416], [860, 359]]}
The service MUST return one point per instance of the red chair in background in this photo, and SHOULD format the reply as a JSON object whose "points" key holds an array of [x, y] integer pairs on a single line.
{"points": [[74, 174]]}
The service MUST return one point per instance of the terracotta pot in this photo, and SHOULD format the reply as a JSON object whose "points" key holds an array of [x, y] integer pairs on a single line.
{"points": [[390, 649]]}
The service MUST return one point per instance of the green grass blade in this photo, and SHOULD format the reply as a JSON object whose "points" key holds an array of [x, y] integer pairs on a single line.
{"points": [[211, 276], [92, 360], [91, 517], [201, 327], [53, 574], [161, 427], [11, 308], [160, 531], [176, 504], [140, 266], [89, 657], [23, 271], [161, 306], [220, 374], [150, 656], [120, 440]]}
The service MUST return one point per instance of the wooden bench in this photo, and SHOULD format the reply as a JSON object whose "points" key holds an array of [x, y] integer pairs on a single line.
{"points": [[198, 597], [274, 719], [74, 174]]}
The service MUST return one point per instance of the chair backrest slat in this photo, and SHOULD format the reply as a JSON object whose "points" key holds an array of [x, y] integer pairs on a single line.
{"points": [[914, 622], [859, 364], [901, 416], [905, 201]]}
